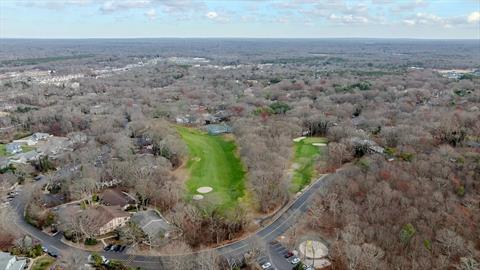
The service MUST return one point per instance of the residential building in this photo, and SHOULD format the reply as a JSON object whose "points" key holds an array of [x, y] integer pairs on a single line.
{"points": [[115, 197], [109, 218], [218, 129], [10, 262], [154, 226], [38, 136], [13, 148]]}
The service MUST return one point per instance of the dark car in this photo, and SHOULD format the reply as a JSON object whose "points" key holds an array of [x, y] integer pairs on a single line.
{"points": [[53, 254], [116, 248], [288, 254], [122, 248], [108, 247]]}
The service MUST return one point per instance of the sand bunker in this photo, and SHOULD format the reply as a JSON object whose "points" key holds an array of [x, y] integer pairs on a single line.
{"points": [[197, 197], [204, 190], [299, 139], [319, 144]]}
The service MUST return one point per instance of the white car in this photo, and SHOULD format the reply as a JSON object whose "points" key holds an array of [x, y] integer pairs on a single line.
{"points": [[104, 260], [295, 260], [266, 265]]}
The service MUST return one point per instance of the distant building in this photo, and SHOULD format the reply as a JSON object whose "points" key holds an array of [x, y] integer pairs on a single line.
{"points": [[34, 139], [187, 119], [219, 129], [38, 136], [25, 157], [10, 262], [371, 145], [13, 148]]}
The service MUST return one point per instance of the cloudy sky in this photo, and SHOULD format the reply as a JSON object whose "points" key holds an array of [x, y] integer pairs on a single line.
{"points": [[245, 18]]}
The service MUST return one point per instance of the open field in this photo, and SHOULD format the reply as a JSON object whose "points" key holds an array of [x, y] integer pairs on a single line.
{"points": [[306, 153], [213, 163], [42, 263]]}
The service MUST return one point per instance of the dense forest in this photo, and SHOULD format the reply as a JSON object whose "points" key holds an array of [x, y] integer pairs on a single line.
{"points": [[415, 205]]}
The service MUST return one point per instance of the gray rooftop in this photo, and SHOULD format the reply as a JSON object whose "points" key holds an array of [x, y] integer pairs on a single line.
{"points": [[151, 223]]}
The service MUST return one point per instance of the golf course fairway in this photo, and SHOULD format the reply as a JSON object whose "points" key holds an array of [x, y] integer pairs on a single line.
{"points": [[306, 154], [213, 162]]}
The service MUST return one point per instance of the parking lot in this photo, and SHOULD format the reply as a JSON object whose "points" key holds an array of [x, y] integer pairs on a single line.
{"points": [[280, 257]]}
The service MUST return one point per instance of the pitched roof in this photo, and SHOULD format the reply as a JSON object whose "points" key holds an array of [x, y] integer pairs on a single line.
{"points": [[151, 223], [115, 197], [105, 214]]}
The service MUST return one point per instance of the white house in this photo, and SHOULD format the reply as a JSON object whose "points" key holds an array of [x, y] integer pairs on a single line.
{"points": [[13, 148], [9, 262]]}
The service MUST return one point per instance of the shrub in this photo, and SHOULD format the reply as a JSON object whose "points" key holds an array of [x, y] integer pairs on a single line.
{"points": [[406, 156], [275, 80], [91, 241], [390, 151], [279, 107], [407, 232], [427, 244]]}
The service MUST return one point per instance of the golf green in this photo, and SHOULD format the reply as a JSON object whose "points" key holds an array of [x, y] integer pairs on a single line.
{"points": [[213, 162]]}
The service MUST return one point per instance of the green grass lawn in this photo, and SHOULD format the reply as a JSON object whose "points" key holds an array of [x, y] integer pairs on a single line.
{"points": [[305, 157], [42, 263], [213, 162], [3, 150]]}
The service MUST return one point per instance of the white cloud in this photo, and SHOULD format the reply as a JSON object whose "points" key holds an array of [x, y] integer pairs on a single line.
{"points": [[151, 14], [434, 20], [348, 19], [215, 16], [409, 22], [474, 17], [212, 15], [114, 5], [409, 6]]}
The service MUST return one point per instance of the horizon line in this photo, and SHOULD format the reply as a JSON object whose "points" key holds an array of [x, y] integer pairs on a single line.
{"points": [[214, 37]]}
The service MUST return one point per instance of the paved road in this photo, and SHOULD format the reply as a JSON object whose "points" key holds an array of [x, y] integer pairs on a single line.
{"points": [[232, 251]]}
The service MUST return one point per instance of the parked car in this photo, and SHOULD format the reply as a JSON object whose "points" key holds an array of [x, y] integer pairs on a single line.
{"points": [[52, 254], [38, 177], [104, 260], [116, 248], [108, 247], [266, 265], [295, 260], [288, 255], [122, 248]]}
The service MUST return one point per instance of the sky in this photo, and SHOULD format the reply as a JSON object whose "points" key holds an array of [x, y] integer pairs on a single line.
{"points": [[426, 19]]}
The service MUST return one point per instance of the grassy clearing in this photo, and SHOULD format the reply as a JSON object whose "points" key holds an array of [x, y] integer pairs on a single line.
{"points": [[3, 150], [306, 155], [42, 263], [213, 162]]}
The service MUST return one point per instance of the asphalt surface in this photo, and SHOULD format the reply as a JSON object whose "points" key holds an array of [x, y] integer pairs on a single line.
{"points": [[276, 252], [233, 251]]}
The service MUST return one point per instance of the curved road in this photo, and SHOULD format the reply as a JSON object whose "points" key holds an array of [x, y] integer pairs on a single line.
{"points": [[233, 251]]}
